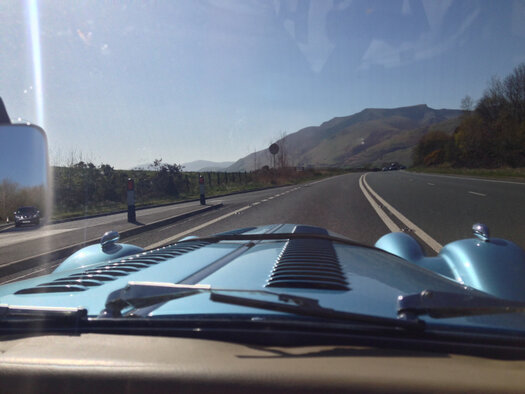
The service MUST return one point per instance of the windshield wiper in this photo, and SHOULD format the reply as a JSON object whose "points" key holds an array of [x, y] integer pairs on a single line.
{"points": [[143, 294], [439, 304]]}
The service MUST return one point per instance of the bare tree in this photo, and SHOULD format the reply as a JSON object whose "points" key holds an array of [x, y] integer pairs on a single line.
{"points": [[467, 104], [282, 156], [514, 91]]}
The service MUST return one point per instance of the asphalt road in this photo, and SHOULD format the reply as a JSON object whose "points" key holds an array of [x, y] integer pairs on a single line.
{"points": [[437, 209], [446, 207]]}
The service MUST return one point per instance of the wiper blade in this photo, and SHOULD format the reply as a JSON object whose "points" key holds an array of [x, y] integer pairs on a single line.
{"points": [[440, 304], [310, 307], [143, 294]]}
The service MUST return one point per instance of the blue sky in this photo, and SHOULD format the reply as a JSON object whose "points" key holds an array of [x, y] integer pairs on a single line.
{"points": [[127, 82]]}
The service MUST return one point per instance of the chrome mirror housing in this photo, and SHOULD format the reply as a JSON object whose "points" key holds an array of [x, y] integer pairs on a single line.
{"points": [[24, 170], [109, 238], [481, 231]]}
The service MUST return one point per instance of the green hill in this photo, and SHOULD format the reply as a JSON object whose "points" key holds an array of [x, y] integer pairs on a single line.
{"points": [[369, 137]]}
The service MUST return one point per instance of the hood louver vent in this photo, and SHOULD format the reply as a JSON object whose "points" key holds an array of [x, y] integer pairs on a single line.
{"points": [[113, 270], [308, 264]]}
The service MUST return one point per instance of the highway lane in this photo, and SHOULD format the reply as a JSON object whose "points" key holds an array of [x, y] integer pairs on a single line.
{"points": [[443, 207], [446, 207], [335, 203], [25, 242]]}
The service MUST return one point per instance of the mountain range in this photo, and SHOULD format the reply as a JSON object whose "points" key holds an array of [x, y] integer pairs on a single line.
{"points": [[370, 137], [206, 165], [192, 166]]}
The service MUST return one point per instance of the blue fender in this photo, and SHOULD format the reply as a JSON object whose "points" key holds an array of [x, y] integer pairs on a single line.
{"points": [[495, 266], [95, 254]]}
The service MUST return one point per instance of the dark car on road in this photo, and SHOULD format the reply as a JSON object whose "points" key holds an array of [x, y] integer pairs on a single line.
{"points": [[27, 215]]}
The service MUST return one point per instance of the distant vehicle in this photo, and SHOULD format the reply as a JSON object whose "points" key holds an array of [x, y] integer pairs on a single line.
{"points": [[27, 215]]}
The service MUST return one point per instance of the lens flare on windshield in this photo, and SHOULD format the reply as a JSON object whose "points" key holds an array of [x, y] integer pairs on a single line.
{"points": [[34, 27], [36, 51]]}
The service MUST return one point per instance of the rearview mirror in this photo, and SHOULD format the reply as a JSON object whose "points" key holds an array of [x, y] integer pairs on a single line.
{"points": [[24, 170]]}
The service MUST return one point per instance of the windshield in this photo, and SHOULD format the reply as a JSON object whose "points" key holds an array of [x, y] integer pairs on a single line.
{"points": [[27, 210], [191, 118]]}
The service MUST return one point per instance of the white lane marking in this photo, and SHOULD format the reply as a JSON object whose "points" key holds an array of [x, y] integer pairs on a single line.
{"points": [[196, 228], [168, 227], [436, 246], [270, 198], [430, 184], [31, 273], [478, 194], [17, 236], [265, 200], [469, 178], [256, 203], [384, 217], [322, 180]]}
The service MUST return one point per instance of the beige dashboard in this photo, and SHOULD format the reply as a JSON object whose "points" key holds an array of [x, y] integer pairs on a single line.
{"points": [[94, 363]]}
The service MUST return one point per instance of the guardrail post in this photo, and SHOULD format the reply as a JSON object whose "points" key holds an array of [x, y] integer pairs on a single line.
{"points": [[201, 190], [131, 201]]}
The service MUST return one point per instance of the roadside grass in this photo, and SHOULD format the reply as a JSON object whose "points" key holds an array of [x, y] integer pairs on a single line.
{"points": [[506, 173], [264, 180]]}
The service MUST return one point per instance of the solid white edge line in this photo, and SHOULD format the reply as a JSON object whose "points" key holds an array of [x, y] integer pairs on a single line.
{"points": [[196, 228], [436, 246], [382, 215]]}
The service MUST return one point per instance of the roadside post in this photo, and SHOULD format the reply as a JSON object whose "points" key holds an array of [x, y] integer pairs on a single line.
{"points": [[131, 201], [201, 190]]}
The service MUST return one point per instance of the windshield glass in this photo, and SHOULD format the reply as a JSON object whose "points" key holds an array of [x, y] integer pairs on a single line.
{"points": [[27, 210], [190, 118]]}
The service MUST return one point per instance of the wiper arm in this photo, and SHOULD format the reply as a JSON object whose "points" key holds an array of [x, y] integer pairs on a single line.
{"points": [[143, 294], [440, 304]]}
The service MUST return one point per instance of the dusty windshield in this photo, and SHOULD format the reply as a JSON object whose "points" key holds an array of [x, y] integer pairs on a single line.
{"points": [[170, 119]]}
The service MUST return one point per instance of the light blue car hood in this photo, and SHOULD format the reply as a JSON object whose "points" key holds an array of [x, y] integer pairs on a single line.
{"points": [[367, 280]]}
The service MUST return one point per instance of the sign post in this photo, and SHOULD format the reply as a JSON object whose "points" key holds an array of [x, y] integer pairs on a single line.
{"points": [[274, 149], [131, 201], [201, 190]]}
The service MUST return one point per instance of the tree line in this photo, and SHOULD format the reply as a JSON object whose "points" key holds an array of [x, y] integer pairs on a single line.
{"points": [[491, 133], [85, 187]]}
